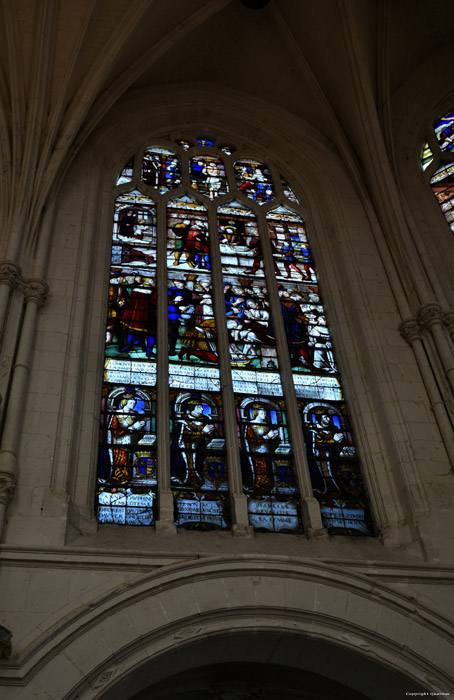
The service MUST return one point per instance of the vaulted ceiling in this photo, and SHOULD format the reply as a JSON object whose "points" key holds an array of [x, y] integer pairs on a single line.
{"points": [[65, 64]]}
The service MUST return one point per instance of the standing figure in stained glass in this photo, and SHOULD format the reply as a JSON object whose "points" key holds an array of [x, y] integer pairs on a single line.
{"points": [[290, 260], [328, 440], [193, 432], [262, 441], [254, 327], [178, 310], [139, 316], [212, 178], [321, 341], [127, 221], [199, 338], [126, 428], [295, 324], [196, 246], [180, 230]]}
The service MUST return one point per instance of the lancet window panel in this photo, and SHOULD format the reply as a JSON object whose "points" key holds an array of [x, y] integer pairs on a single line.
{"points": [[213, 281], [441, 159]]}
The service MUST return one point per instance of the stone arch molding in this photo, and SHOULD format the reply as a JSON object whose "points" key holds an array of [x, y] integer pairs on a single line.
{"points": [[113, 647]]}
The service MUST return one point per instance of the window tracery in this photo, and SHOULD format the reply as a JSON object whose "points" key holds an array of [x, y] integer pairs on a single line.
{"points": [[233, 244]]}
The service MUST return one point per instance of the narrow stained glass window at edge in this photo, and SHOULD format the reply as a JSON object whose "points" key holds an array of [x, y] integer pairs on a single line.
{"points": [[197, 227]]}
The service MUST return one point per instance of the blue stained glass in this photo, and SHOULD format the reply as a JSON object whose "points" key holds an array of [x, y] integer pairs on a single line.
{"points": [[254, 180], [444, 131], [205, 141], [161, 169]]}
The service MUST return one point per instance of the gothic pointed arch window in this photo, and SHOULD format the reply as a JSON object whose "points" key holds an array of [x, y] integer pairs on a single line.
{"points": [[437, 157], [218, 356]]}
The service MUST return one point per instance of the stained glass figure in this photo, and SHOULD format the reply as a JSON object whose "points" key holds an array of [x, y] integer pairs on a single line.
{"points": [[267, 465], [334, 468], [131, 325], [127, 479], [184, 144], [161, 169], [443, 188], [241, 252], [208, 176], [127, 173], [198, 463], [426, 156], [192, 335], [288, 191], [254, 180], [444, 131]]}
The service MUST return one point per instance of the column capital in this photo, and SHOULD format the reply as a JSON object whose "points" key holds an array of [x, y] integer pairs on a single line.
{"points": [[10, 273], [7, 487], [410, 330], [36, 290], [448, 320], [430, 314]]}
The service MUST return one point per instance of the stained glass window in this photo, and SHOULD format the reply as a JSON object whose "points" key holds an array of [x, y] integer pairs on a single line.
{"points": [[442, 180], [184, 267]]}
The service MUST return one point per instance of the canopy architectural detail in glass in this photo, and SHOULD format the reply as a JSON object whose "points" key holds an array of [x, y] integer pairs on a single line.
{"points": [[213, 310]]}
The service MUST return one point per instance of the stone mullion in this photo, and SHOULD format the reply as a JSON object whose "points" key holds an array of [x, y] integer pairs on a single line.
{"points": [[165, 519], [35, 292], [311, 515], [240, 519], [412, 332]]}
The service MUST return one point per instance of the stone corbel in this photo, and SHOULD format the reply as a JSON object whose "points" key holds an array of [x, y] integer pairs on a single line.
{"points": [[7, 488], [10, 273], [448, 320], [411, 331]]}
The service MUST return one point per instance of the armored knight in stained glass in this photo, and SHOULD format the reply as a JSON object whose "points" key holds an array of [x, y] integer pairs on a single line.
{"points": [[334, 467], [161, 169], [198, 471]]}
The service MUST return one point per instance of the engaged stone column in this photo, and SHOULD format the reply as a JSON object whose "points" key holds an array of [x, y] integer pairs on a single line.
{"points": [[35, 292]]}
